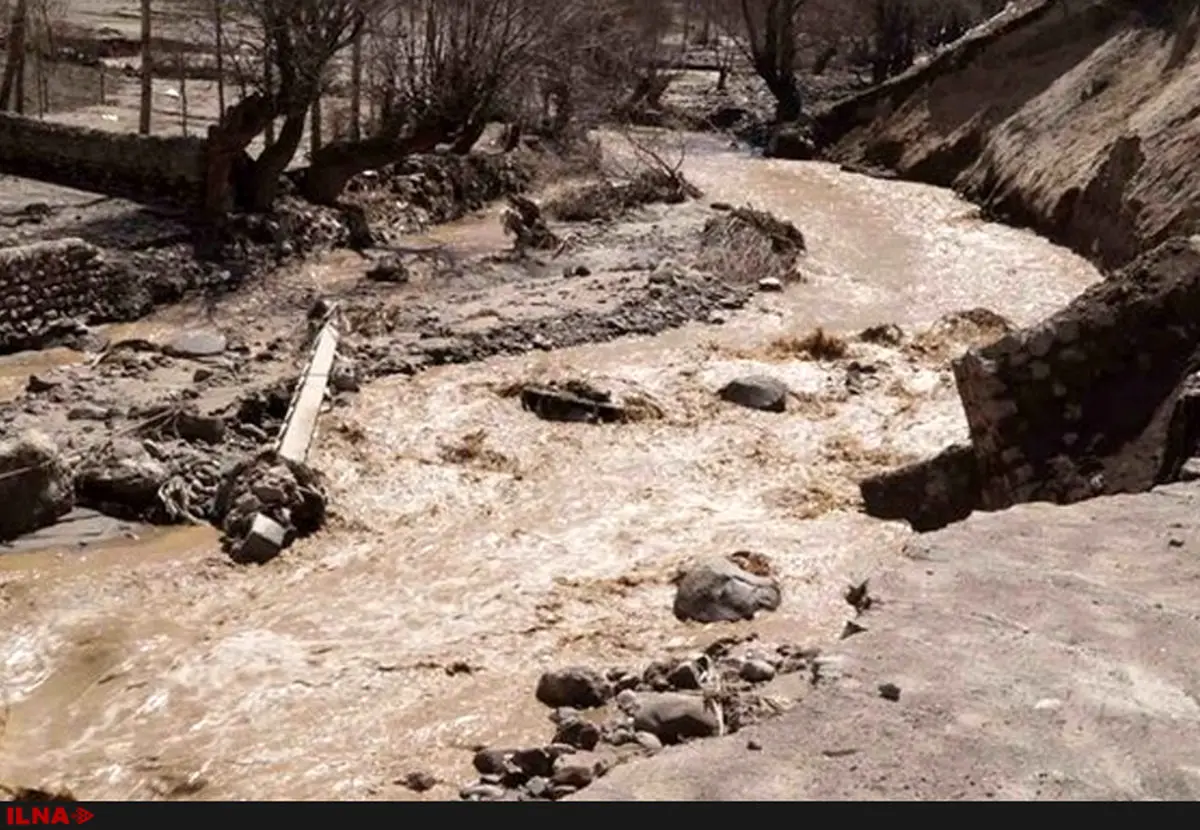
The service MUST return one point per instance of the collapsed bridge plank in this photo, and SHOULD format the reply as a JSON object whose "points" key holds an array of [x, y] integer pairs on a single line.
{"points": [[297, 434]]}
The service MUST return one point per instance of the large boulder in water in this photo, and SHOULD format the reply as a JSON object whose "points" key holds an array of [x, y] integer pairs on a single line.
{"points": [[35, 485], [721, 590]]}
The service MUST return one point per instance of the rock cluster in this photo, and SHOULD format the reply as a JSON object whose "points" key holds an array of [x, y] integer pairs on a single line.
{"points": [[605, 718], [290, 494], [35, 484]]}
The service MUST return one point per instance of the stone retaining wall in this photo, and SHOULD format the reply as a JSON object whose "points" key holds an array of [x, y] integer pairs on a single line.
{"points": [[1080, 404], [48, 284], [141, 168]]}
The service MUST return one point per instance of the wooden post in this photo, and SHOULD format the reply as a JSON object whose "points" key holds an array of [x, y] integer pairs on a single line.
{"points": [[218, 24], [147, 75], [181, 67]]}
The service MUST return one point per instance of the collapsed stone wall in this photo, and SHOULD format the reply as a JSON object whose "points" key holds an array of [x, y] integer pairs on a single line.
{"points": [[1102, 397], [47, 287], [141, 168], [1080, 405]]}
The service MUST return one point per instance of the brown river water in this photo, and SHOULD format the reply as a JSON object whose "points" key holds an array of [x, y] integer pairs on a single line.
{"points": [[145, 668]]}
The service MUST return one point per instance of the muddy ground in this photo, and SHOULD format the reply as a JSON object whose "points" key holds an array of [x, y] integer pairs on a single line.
{"points": [[470, 540]]}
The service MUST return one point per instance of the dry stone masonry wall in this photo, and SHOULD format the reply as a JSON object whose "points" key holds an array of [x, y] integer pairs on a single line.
{"points": [[1080, 404], [45, 285], [141, 168]]}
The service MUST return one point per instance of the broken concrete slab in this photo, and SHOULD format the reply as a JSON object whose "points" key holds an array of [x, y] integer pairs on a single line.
{"points": [[301, 423], [265, 540], [928, 494]]}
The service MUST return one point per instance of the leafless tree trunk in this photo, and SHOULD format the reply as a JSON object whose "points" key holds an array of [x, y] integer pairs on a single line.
{"points": [[14, 64], [181, 69], [147, 74], [356, 82], [314, 128], [769, 27], [219, 46]]}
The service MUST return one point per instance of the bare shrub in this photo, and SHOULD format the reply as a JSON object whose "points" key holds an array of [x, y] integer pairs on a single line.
{"points": [[746, 245]]}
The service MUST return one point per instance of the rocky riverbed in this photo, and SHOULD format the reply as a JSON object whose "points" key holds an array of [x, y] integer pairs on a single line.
{"points": [[486, 518]]}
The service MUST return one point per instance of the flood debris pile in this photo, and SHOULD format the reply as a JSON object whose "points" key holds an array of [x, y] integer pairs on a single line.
{"points": [[605, 718], [422, 190], [582, 401], [1094, 400], [608, 200], [291, 495], [35, 484], [741, 244], [523, 221]]}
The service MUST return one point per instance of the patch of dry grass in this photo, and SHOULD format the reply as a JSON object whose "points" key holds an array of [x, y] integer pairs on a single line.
{"points": [[817, 345], [472, 450]]}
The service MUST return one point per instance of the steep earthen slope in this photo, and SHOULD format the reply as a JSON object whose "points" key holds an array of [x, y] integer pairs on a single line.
{"points": [[1079, 118]]}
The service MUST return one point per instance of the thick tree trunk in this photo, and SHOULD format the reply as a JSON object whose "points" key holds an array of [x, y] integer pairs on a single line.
{"points": [[338, 162], [226, 148], [269, 166], [469, 137], [14, 63]]}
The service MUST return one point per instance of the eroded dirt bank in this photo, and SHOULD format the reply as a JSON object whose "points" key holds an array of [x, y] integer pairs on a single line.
{"points": [[474, 545], [1075, 117]]}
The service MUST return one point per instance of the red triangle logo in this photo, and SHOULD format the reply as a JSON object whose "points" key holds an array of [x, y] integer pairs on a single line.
{"points": [[81, 815]]}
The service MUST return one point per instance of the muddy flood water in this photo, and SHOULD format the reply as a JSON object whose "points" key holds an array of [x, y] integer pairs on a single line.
{"points": [[474, 546]]}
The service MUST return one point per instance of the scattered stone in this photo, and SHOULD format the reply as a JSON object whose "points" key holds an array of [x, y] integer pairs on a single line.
{"points": [[756, 392], [38, 384], [770, 284], [886, 334], [88, 412], [757, 671], [577, 403], [482, 792], [753, 745], [538, 787], [859, 596], [648, 741], [35, 485], [124, 480], [191, 425], [577, 687], [531, 762], [673, 717], [851, 628], [719, 590], [685, 677], [574, 776], [578, 732], [889, 691], [558, 791], [201, 343], [419, 781], [202, 374], [492, 761], [387, 267]]}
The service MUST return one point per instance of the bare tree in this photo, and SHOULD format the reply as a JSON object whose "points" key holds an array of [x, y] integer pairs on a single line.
{"points": [[12, 86], [441, 69], [285, 49], [147, 73], [768, 29]]}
